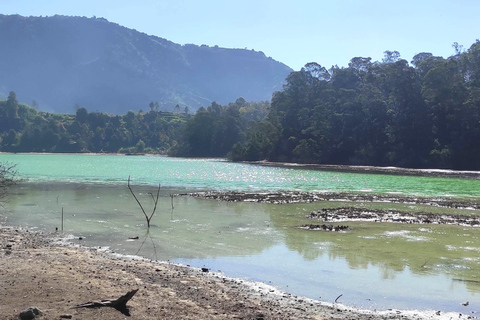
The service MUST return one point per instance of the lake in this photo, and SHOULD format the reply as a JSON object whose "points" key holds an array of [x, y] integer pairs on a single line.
{"points": [[373, 266]]}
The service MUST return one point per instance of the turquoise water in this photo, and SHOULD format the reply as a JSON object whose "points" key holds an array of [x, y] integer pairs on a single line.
{"points": [[216, 174], [374, 266]]}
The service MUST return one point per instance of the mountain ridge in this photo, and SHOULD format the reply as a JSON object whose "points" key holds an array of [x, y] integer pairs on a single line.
{"points": [[61, 62]]}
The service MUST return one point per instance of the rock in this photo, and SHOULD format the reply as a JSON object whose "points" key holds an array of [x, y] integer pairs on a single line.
{"points": [[29, 314]]}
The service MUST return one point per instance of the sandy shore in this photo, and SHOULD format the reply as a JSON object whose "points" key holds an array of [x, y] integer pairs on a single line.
{"points": [[36, 271]]}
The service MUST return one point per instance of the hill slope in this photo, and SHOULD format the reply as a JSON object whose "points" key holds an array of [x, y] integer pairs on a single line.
{"points": [[61, 62]]}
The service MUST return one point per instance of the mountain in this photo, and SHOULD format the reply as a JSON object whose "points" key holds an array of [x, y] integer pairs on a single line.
{"points": [[62, 62]]}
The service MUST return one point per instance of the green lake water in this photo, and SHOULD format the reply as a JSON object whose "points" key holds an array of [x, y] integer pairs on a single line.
{"points": [[374, 266]]}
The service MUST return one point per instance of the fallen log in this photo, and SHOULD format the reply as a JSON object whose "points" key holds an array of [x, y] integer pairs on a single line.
{"points": [[120, 304]]}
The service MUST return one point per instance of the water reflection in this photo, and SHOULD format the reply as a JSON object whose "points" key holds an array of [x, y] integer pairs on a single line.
{"points": [[408, 264], [392, 247]]}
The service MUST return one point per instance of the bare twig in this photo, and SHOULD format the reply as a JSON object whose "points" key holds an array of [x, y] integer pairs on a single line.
{"points": [[425, 263], [338, 297], [155, 201], [7, 177]]}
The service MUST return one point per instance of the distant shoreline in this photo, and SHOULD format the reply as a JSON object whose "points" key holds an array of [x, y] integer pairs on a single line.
{"points": [[373, 169]]}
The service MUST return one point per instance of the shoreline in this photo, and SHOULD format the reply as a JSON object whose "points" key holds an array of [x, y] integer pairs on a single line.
{"points": [[466, 174], [39, 270]]}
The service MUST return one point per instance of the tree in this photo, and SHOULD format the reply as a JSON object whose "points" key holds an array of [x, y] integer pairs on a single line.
{"points": [[199, 132], [140, 146], [177, 109], [7, 177], [12, 105], [81, 115], [317, 71], [391, 56]]}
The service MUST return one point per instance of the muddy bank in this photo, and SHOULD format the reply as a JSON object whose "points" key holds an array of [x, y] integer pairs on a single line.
{"points": [[395, 216], [36, 271], [309, 197]]}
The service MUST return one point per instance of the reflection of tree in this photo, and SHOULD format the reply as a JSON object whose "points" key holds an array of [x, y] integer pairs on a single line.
{"points": [[436, 249], [472, 285], [148, 236]]}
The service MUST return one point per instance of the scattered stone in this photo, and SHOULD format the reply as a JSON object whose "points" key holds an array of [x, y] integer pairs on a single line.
{"points": [[309, 197], [324, 227], [29, 314]]}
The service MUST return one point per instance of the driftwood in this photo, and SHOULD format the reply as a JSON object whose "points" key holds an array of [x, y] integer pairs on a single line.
{"points": [[120, 304]]}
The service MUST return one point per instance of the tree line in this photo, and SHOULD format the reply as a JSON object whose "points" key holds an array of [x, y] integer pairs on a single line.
{"points": [[25, 129], [421, 114], [211, 132], [388, 113]]}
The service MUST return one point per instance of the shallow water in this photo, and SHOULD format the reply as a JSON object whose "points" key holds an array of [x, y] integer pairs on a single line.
{"points": [[374, 266]]}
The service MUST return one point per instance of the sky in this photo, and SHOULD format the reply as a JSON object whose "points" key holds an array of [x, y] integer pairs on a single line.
{"points": [[294, 32]]}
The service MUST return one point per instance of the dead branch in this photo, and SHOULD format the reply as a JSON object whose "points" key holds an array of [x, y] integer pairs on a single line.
{"points": [[120, 304], [7, 177], [155, 201], [171, 200], [338, 298]]}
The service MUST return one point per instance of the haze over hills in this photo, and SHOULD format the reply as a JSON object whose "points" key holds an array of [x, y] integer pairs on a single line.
{"points": [[61, 62]]}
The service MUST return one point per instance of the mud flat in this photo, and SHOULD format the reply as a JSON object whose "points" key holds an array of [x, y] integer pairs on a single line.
{"points": [[309, 197], [345, 214]]}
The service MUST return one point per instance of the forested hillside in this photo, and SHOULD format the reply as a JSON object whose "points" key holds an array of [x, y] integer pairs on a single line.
{"points": [[60, 62], [387, 113], [422, 114], [25, 129]]}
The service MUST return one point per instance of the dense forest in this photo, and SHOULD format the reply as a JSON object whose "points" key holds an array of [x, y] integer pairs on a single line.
{"points": [[390, 113], [25, 129], [387, 113]]}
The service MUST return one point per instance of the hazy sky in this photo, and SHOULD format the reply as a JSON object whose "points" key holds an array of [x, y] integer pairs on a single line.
{"points": [[294, 32]]}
